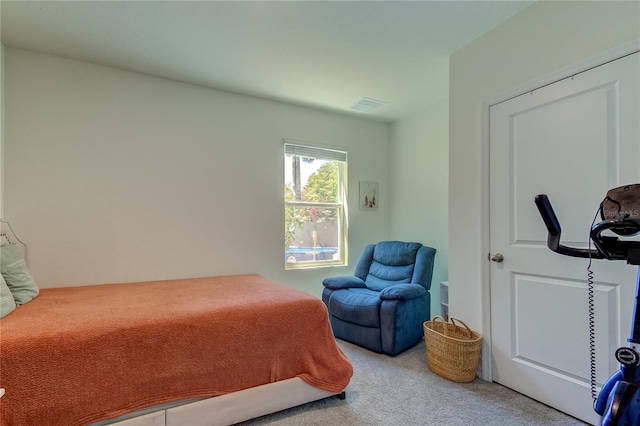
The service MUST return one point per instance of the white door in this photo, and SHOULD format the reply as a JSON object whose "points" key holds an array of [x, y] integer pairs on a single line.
{"points": [[572, 140]]}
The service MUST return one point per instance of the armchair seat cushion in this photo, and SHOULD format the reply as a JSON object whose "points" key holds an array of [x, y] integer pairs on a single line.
{"points": [[359, 306]]}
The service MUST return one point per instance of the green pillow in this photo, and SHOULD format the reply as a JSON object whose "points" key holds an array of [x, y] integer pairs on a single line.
{"points": [[7, 304], [15, 273]]}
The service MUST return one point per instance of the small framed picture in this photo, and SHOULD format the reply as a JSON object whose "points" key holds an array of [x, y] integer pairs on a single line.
{"points": [[368, 196]]}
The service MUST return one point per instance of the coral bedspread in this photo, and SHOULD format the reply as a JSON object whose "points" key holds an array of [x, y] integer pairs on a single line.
{"points": [[77, 355]]}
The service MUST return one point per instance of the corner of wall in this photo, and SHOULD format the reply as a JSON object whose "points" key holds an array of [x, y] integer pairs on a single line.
{"points": [[2, 108], [419, 180]]}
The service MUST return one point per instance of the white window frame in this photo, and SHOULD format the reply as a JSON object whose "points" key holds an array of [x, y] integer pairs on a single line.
{"points": [[305, 149]]}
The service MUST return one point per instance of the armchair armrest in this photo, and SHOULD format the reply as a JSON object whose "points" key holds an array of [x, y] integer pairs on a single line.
{"points": [[336, 283], [402, 292]]}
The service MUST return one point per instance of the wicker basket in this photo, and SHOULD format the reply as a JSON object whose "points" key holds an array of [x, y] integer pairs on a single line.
{"points": [[453, 351]]}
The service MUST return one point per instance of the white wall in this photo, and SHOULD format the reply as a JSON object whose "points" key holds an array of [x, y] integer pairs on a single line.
{"points": [[1, 130], [419, 185], [540, 40], [113, 176]]}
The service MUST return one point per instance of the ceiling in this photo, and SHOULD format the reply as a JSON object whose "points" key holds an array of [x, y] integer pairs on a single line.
{"points": [[322, 54]]}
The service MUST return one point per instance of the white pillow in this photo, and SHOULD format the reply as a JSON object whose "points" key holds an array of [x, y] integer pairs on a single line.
{"points": [[7, 303], [14, 271]]}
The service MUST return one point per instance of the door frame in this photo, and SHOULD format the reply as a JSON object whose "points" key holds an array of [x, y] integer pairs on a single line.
{"points": [[599, 59]]}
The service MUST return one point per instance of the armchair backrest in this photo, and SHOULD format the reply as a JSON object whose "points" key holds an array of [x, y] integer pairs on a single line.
{"points": [[395, 262]]}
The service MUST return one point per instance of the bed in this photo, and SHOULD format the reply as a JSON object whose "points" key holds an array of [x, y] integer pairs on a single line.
{"points": [[201, 351]]}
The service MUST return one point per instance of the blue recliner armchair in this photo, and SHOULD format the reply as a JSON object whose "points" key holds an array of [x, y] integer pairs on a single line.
{"points": [[383, 307]]}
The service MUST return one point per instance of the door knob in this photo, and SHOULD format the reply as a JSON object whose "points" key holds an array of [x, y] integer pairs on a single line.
{"points": [[498, 257]]}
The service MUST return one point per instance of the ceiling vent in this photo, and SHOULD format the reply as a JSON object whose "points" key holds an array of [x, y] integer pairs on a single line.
{"points": [[367, 105]]}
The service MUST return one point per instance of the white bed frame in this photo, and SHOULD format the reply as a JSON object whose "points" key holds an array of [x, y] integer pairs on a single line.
{"points": [[230, 408], [222, 410]]}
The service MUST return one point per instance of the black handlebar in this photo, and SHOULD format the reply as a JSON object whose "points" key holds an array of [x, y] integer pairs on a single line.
{"points": [[554, 231], [610, 248]]}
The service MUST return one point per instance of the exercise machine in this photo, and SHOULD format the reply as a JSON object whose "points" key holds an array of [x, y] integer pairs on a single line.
{"points": [[618, 403]]}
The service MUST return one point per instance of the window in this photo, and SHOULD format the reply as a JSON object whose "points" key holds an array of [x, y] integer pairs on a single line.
{"points": [[315, 194]]}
